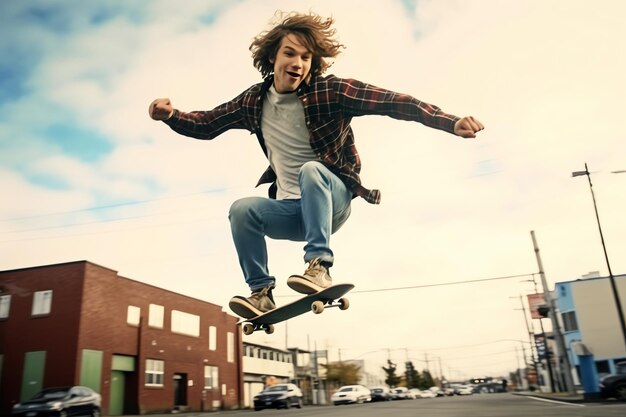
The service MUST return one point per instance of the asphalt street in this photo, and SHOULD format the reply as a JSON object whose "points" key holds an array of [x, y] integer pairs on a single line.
{"points": [[480, 405]]}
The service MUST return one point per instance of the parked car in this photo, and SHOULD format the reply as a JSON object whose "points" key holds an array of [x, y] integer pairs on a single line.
{"points": [[614, 385], [463, 390], [449, 392], [351, 394], [402, 393], [61, 402], [278, 396], [380, 394], [416, 393], [427, 394]]}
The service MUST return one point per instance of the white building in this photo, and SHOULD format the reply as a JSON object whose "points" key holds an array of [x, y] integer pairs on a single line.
{"points": [[263, 365]]}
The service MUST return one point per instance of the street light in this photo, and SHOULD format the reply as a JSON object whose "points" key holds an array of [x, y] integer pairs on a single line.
{"points": [[618, 303]]}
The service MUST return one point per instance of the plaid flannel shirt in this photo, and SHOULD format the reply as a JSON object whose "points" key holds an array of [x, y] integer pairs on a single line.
{"points": [[329, 104]]}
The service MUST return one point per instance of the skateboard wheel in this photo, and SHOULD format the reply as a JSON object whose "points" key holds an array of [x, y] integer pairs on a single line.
{"points": [[248, 329], [269, 329], [317, 307], [344, 304]]}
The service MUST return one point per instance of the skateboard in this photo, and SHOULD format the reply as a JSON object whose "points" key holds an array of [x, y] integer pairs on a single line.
{"points": [[316, 302]]}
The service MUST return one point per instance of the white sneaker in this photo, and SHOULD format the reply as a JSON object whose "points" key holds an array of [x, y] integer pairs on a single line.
{"points": [[315, 278]]}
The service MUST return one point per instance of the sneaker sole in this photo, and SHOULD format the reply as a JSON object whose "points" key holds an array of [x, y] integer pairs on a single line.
{"points": [[241, 307], [303, 286]]}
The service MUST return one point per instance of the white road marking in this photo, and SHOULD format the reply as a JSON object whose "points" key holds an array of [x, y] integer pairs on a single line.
{"points": [[555, 401]]}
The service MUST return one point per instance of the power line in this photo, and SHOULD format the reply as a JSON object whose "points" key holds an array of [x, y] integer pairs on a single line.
{"points": [[109, 206], [147, 226], [480, 355], [476, 344], [443, 284]]}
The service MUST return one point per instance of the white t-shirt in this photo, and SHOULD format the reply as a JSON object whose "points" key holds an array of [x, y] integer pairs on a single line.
{"points": [[286, 139]]}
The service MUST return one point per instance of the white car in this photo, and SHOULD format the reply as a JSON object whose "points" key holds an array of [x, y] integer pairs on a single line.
{"points": [[416, 393], [427, 394], [402, 393], [351, 394], [464, 390]]}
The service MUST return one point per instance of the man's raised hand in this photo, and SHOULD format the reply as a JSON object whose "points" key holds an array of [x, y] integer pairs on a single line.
{"points": [[467, 127], [161, 109]]}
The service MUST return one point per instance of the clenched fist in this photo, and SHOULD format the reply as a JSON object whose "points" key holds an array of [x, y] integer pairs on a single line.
{"points": [[467, 127], [161, 109]]}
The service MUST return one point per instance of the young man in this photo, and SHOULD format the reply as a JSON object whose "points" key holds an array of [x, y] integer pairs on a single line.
{"points": [[302, 121]]}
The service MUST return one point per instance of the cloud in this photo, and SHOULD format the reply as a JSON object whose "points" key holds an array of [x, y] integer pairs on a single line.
{"points": [[545, 78]]}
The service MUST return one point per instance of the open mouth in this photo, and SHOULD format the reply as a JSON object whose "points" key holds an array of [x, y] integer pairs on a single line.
{"points": [[293, 74]]}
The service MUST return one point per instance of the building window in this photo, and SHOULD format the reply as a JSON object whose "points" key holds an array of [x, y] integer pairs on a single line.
{"points": [[157, 313], [602, 367], [230, 348], [155, 371], [569, 321], [5, 306], [210, 377], [212, 338], [620, 366], [185, 323], [133, 315], [42, 300]]}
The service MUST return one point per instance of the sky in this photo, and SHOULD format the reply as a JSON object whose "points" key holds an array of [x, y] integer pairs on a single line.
{"points": [[439, 266]]}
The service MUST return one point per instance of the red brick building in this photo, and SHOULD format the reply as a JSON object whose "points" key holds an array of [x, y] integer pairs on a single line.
{"points": [[143, 348]]}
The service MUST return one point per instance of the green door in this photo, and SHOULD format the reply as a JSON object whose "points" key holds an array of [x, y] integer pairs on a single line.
{"points": [[118, 385], [91, 369], [32, 377]]}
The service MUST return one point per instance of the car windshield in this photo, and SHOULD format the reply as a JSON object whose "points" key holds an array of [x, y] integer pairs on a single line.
{"points": [[621, 368], [346, 389], [377, 390], [275, 388], [50, 394]]}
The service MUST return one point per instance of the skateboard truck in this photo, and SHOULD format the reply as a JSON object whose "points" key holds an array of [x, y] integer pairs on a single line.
{"points": [[249, 328], [318, 306]]}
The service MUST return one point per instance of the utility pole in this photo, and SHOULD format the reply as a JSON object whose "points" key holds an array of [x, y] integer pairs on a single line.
{"points": [[530, 336], [519, 370], [563, 358], [545, 342], [441, 376]]}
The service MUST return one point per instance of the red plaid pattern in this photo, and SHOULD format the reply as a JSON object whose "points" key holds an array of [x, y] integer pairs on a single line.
{"points": [[329, 104]]}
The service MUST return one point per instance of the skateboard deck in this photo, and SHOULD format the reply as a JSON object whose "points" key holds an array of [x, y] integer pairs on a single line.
{"points": [[316, 302]]}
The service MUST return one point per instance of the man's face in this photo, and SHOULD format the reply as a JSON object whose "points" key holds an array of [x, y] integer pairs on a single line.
{"points": [[291, 64]]}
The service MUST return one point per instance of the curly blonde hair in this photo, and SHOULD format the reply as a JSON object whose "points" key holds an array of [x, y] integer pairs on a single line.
{"points": [[315, 33]]}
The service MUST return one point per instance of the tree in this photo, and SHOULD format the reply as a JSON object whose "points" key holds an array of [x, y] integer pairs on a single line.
{"points": [[412, 376], [426, 380], [342, 373], [392, 379]]}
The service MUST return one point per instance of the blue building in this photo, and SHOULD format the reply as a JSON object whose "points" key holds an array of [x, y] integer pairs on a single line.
{"points": [[588, 315]]}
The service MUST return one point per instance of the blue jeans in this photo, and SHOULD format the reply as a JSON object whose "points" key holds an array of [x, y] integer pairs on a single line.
{"points": [[323, 208]]}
